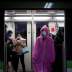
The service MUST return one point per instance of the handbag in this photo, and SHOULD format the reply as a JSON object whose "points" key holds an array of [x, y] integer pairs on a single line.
{"points": [[25, 50]]}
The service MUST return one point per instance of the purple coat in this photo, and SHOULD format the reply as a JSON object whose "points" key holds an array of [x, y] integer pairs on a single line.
{"points": [[43, 53]]}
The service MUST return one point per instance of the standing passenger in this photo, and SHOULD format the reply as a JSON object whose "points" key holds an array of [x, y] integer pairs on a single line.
{"points": [[20, 43], [9, 48], [58, 49], [43, 53]]}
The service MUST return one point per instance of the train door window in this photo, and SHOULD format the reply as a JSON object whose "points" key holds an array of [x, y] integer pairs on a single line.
{"points": [[24, 29], [21, 28]]}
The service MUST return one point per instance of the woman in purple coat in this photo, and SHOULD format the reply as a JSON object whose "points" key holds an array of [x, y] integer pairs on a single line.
{"points": [[43, 53]]}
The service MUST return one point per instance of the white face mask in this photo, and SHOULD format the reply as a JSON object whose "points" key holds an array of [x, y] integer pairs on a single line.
{"points": [[43, 33]]}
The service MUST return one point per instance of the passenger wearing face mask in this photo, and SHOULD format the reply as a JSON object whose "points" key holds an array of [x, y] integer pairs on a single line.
{"points": [[43, 53]]}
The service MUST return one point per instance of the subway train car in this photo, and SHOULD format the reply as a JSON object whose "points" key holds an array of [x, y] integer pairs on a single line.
{"points": [[28, 23]]}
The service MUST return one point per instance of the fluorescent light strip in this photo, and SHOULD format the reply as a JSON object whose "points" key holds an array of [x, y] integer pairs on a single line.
{"points": [[30, 18], [23, 18], [60, 13], [31, 14], [6, 18], [59, 18], [35, 18]]}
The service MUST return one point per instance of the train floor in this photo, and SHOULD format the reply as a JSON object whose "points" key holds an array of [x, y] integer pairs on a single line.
{"points": [[19, 69]]}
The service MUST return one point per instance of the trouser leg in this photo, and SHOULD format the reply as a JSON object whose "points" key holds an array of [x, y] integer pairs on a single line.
{"points": [[15, 60], [22, 62]]}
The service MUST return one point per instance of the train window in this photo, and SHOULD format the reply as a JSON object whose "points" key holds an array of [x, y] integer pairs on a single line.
{"points": [[21, 28]]}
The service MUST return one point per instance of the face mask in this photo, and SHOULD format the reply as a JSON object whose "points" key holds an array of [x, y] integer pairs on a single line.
{"points": [[43, 33]]}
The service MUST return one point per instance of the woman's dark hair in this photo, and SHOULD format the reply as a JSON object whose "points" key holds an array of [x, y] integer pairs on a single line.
{"points": [[8, 34]]}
